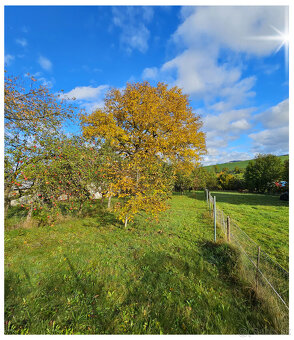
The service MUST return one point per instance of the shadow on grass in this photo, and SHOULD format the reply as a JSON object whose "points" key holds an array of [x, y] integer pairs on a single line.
{"points": [[16, 212], [99, 216], [161, 297]]}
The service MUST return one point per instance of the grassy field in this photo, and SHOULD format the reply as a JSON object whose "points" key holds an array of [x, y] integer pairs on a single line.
{"points": [[92, 276], [240, 164], [265, 218]]}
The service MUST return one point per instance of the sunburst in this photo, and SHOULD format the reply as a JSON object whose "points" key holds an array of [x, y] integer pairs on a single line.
{"points": [[281, 37]]}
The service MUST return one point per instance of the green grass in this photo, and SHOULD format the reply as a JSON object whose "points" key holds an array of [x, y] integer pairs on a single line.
{"points": [[241, 164], [265, 218], [92, 276]]}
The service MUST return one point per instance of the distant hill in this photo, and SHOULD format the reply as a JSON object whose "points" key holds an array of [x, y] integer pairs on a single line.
{"points": [[240, 164]]}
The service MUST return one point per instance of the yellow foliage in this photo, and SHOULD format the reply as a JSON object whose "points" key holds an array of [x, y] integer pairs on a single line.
{"points": [[149, 127]]}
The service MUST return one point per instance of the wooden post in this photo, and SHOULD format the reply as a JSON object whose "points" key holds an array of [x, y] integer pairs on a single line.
{"points": [[228, 229], [206, 191], [214, 215], [257, 266], [209, 202]]}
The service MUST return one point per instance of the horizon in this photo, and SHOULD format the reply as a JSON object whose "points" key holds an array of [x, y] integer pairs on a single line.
{"points": [[241, 160]]}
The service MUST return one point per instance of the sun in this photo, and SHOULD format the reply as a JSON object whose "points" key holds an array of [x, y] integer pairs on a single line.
{"points": [[281, 37]]}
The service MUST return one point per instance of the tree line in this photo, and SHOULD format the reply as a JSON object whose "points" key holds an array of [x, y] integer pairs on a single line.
{"points": [[263, 174]]}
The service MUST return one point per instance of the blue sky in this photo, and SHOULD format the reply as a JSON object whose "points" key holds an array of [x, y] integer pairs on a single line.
{"points": [[225, 58]]}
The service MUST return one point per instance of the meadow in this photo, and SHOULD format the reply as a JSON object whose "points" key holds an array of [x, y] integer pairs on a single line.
{"points": [[265, 218], [91, 275]]}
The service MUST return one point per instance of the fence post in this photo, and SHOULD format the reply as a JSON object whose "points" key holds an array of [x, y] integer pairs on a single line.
{"points": [[208, 202], [214, 215], [257, 266], [228, 229]]}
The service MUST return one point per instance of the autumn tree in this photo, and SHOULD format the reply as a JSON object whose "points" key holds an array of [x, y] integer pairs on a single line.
{"points": [[33, 118], [147, 127]]}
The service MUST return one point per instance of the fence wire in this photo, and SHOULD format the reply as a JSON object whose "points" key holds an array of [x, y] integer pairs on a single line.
{"points": [[267, 273]]}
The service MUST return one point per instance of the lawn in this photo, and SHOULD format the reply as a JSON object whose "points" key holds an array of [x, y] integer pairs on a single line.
{"points": [[265, 218], [93, 276]]}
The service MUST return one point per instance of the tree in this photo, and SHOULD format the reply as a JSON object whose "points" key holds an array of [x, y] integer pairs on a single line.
{"points": [[225, 180], [33, 117], [237, 170], [148, 127], [262, 172], [285, 175], [216, 168], [183, 180], [226, 170]]}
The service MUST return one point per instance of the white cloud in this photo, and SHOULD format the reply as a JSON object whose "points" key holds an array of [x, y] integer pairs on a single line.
{"points": [[21, 41], [230, 122], [8, 58], [271, 141], [210, 32], [276, 116], [235, 27], [199, 74], [275, 138], [150, 73], [85, 92], [45, 63], [241, 124], [132, 21], [87, 97]]}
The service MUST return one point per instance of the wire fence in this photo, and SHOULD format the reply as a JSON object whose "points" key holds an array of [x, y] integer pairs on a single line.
{"points": [[268, 276]]}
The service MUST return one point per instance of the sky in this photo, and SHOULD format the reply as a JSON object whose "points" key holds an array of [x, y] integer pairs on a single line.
{"points": [[231, 61]]}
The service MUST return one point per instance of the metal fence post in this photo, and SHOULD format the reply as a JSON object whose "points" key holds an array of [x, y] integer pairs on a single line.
{"points": [[228, 229], [214, 215], [257, 266]]}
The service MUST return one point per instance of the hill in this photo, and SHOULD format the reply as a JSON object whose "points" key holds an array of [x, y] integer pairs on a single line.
{"points": [[240, 164]]}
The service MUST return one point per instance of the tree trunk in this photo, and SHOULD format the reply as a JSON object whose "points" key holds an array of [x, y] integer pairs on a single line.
{"points": [[29, 215], [80, 209], [6, 206], [109, 202], [137, 177], [7, 200], [126, 221]]}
